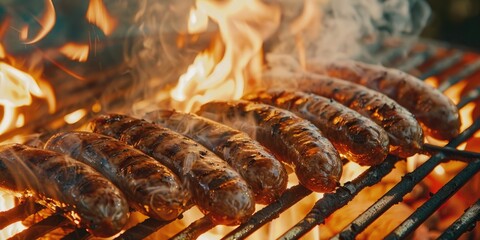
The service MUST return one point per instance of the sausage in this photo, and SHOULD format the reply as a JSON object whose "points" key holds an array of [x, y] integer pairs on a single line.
{"points": [[261, 170], [404, 132], [294, 140], [150, 187], [356, 137], [85, 196], [216, 188], [437, 114]]}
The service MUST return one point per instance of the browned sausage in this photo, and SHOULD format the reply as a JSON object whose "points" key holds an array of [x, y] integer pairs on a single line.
{"points": [[263, 172], [436, 113], [356, 137], [292, 139], [216, 188], [59, 181], [150, 187], [404, 132]]}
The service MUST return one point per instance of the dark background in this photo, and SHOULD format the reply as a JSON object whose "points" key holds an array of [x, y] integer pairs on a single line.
{"points": [[456, 22]]}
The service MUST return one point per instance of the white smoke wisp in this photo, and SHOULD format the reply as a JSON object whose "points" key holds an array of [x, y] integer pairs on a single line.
{"points": [[353, 29]]}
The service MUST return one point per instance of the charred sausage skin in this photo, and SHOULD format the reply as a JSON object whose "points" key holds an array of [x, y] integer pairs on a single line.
{"points": [[404, 132], [62, 182], [216, 188], [292, 139], [150, 187], [356, 137], [436, 112], [261, 170]]}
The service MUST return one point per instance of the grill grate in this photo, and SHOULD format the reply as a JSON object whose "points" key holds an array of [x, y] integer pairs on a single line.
{"points": [[430, 59], [421, 214], [406, 185], [466, 222]]}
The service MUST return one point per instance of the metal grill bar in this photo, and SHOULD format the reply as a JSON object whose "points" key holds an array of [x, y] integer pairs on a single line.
{"points": [[268, 213], [464, 73], [405, 186], [469, 97], [143, 229], [195, 229], [443, 64], [41, 228], [415, 60], [465, 222], [78, 234], [18, 213], [429, 207], [451, 153], [333, 201]]}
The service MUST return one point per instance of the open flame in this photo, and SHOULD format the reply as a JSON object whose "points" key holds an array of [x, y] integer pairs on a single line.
{"points": [[244, 25], [7, 201], [17, 88], [98, 15], [47, 21], [74, 51]]}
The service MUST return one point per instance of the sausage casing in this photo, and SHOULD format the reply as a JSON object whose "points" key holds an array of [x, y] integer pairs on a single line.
{"points": [[404, 132], [294, 140], [356, 137], [62, 182], [436, 112], [216, 188], [150, 187], [261, 170]]}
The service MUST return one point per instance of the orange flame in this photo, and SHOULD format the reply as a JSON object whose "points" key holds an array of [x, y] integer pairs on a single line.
{"points": [[2, 52], [47, 21], [244, 25], [74, 51], [75, 116], [97, 14], [17, 88], [197, 21], [7, 201]]}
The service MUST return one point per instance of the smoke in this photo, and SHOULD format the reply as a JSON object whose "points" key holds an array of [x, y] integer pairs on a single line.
{"points": [[308, 30], [351, 29]]}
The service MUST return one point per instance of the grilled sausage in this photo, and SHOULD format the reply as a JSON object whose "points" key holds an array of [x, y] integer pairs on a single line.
{"points": [[292, 139], [437, 114], [217, 189], [404, 132], [150, 187], [356, 137], [85, 196], [266, 175]]}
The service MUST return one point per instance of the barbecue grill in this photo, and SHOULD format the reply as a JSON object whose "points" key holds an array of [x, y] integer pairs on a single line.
{"points": [[426, 59]]}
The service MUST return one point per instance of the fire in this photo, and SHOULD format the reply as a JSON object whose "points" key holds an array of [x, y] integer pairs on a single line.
{"points": [[197, 21], [75, 116], [97, 14], [455, 92], [16, 88], [2, 52], [244, 25], [74, 51], [7, 201], [47, 21], [432, 81]]}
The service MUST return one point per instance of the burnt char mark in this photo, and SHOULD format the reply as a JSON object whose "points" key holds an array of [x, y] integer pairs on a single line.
{"points": [[172, 150], [140, 177], [196, 167], [265, 175], [62, 182], [289, 137]]}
